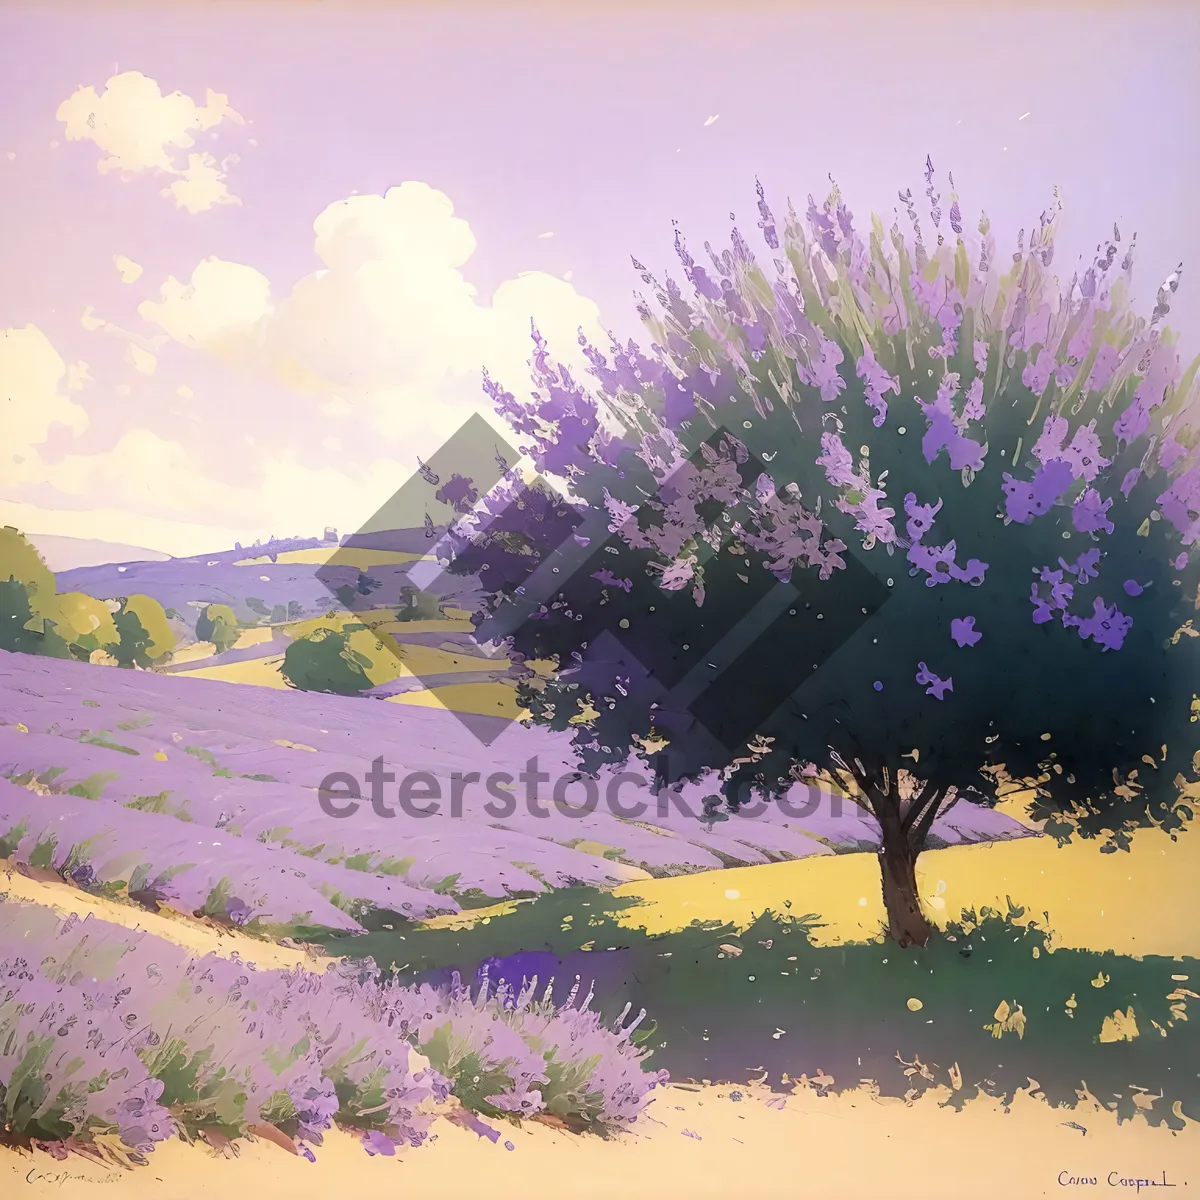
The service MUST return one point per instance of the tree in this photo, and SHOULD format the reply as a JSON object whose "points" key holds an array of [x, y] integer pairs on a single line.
{"points": [[218, 624], [144, 637], [16, 618], [331, 660], [888, 518]]}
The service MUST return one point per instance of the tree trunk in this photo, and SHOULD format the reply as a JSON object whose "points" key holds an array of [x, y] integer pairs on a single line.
{"points": [[904, 823], [897, 862]]}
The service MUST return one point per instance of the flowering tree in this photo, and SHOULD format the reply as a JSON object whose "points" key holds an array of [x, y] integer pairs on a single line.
{"points": [[885, 515]]}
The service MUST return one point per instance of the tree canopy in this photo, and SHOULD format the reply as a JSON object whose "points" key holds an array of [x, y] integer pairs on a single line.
{"points": [[888, 513]]}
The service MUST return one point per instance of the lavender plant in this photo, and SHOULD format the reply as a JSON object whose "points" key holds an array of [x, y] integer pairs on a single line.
{"points": [[116, 1040], [884, 515]]}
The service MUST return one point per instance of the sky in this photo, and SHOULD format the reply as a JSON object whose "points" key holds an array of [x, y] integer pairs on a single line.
{"points": [[254, 257]]}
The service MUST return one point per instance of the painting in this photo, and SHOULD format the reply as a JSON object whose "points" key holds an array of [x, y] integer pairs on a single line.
{"points": [[599, 600]]}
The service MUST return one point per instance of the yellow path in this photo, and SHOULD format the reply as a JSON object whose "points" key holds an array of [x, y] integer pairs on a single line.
{"points": [[699, 1144]]}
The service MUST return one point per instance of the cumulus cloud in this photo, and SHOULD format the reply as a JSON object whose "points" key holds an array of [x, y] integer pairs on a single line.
{"points": [[388, 326], [157, 475], [202, 184], [137, 129], [77, 375], [129, 271], [141, 360], [218, 309], [32, 399]]}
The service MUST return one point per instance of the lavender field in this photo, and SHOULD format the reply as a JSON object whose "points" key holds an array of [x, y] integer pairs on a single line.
{"points": [[204, 796], [112, 1041]]}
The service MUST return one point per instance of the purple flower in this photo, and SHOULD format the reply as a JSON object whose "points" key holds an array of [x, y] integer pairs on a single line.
{"points": [[920, 516], [943, 433], [378, 1143], [610, 580], [937, 687], [1086, 565], [1084, 453], [1103, 367], [1180, 504], [1169, 453], [1106, 626], [1026, 500], [962, 630], [973, 409], [1130, 481], [1061, 594], [1043, 610], [1036, 375], [1181, 562], [1090, 513], [1133, 588], [1049, 445], [1133, 422]]}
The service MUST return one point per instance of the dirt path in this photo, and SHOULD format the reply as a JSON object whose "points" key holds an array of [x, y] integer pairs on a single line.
{"points": [[702, 1145]]}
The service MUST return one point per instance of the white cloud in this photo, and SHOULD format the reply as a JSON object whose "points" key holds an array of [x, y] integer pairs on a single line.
{"points": [[202, 185], [218, 309], [77, 375], [144, 471], [32, 375], [129, 271], [137, 128], [141, 360], [155, 533], [387, 327]]}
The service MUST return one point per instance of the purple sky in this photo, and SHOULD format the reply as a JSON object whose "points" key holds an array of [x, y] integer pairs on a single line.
{"points": [[590, 126]]}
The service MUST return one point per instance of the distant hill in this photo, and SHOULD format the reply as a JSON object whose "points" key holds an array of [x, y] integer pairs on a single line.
{"points": [[68, 553]]}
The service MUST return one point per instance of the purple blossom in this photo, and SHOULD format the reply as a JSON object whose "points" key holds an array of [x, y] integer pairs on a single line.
{"points": [[1133, 422], [920, 516], [1084, 453], [1026, 500], [937, 687], [375, 1142], [943, 431], [1180, 504], [610, 580], [1036, 375], [1049, 444], [973, 409], [938, 562], [1107, 625], [1133, 588], [1090, 513], [1103, 367], [1043, 609], [1085, 566], [1169, 453], [963, 631]]}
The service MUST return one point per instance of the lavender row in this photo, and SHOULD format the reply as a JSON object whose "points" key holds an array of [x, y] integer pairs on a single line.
{"points": [[117, 1040]]}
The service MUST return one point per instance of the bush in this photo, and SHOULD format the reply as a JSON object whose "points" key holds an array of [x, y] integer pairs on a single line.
{"points": [[218, 624]]}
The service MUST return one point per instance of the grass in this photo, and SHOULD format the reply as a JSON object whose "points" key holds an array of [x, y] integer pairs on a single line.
{"points": [[989, 1008]]}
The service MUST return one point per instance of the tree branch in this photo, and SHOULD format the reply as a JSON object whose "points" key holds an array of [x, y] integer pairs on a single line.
{"points": [[920, 831], [916, 806]]}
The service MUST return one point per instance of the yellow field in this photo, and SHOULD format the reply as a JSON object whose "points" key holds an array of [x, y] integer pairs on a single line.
{"points": [[262, 672], [482, 699], [347, 556], [702, 1143], [1142, 902]]}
